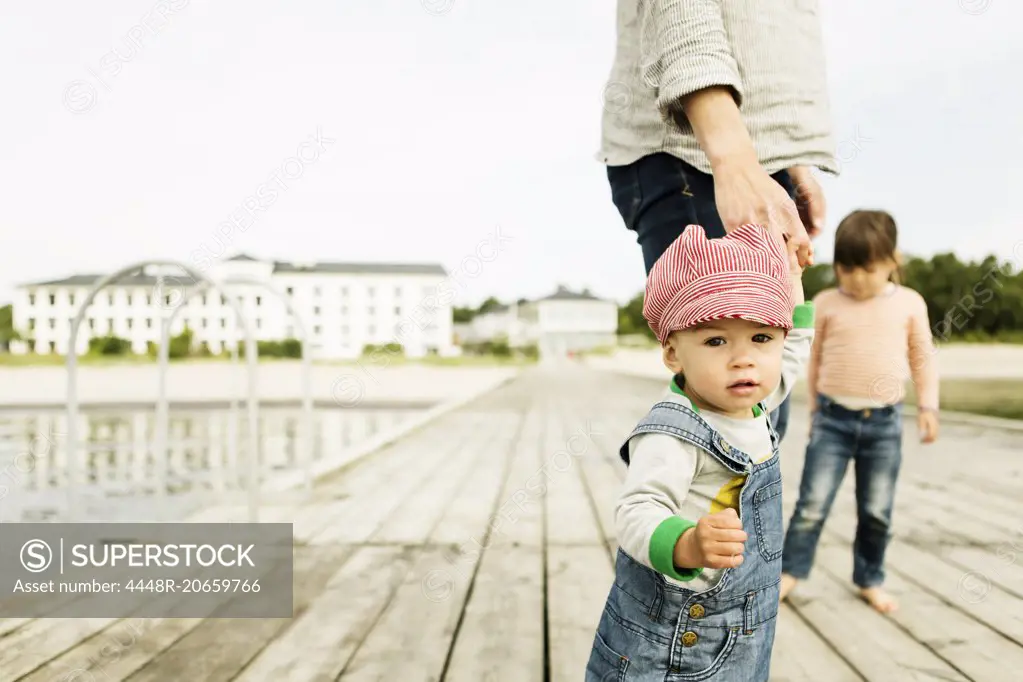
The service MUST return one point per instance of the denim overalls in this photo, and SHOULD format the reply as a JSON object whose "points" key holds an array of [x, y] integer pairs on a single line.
{"points": [[654, 630]]}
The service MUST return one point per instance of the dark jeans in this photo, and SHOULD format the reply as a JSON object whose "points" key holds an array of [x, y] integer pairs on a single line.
{"points": [[658, 196], [872, 440]]}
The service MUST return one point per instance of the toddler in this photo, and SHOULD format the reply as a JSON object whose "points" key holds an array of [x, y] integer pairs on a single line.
{"points": [[699, 520], [871, 334]]}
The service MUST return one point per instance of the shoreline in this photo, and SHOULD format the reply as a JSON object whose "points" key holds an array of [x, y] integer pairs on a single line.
{"points": [[203, 384]]}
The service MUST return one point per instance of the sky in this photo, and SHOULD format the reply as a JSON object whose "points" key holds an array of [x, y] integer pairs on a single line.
{"points": [[433, 130]]}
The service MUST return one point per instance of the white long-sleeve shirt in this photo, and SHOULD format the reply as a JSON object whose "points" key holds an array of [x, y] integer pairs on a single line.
{"points": [[668, 478]]}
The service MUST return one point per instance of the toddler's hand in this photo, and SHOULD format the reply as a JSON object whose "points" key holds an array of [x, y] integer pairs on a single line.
{"points": [[715, 542], [927, 423]]}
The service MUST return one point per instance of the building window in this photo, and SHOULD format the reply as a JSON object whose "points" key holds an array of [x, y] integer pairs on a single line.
{"points": [[110, 299], [317, 329], [31, 299], [31, 323], [53, 299], [290, 291], [130, 323], [71, 299], [316, 310], [110, 325], [53, 323], [149, 299], [92, 323], [129, 299], [53, 346], [259, 324], [397, 310], [259, 300], [316, 291], [370, 291], [223, 323], [204, 322], [204, 299], [149, 323]]}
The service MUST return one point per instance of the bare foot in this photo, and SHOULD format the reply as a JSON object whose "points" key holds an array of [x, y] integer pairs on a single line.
{"points": [[879, 599], [787, 584]]}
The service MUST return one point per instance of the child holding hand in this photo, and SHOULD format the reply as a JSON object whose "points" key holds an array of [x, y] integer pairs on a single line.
{"points": [[699, 521], [871, 335]]}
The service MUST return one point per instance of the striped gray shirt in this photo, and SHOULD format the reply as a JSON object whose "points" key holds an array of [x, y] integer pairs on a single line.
{"points": [[770, 53]]}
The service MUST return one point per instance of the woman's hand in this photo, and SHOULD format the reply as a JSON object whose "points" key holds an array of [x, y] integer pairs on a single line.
{"points": [[809, 200], [745, 193]]}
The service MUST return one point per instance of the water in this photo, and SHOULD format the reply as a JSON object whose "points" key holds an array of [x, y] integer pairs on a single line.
{"points": [[206, 457]]}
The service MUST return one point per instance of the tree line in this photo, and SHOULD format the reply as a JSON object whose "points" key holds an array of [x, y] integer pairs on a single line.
{"points": [[966, 301]]}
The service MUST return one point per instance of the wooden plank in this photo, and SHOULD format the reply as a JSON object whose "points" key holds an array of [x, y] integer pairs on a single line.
{"points": [[319, 642], [802, 655], [501, 637], [414, 519], [465, 518], [35, 644], [874, 646], [218, 649], [125, 646], [968, 592], [973, 649], [578, 580], [373, 506], [425, 613], [1000, 566], [570, 514]]}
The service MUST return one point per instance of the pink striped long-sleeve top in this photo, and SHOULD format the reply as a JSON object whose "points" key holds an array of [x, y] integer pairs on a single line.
{"points": [[864, 352]]}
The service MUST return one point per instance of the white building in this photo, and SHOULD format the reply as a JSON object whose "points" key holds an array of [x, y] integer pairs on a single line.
{"points": [[564, 322], [343, 307], [502, 322]]}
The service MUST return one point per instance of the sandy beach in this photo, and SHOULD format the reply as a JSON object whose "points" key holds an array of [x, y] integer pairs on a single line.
{"points": [[347, 385]]}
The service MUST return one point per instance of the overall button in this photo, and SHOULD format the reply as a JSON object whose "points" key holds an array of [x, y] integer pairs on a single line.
{"points": [[689, 638], [697, 611]]}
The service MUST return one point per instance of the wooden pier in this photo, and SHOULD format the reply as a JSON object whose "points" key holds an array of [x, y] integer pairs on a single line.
{"points": [[479, 549]]}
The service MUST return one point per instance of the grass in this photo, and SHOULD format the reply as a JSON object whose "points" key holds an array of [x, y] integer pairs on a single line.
{"points": [[9, 360], [992, 397]]}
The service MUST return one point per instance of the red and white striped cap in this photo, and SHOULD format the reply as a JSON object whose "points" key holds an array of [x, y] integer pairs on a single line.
{"points": [[742, 275]]}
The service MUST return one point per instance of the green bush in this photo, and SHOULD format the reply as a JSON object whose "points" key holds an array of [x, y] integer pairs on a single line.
{"points": [[109, 345], [291, 348], [181, 345], [389, 348]]}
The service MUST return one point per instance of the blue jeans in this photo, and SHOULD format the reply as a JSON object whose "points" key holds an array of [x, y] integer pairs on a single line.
{"points": [[872, 440], [658, 196]]}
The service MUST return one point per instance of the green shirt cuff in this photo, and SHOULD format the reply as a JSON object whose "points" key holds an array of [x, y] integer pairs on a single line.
{"points": [[662, 548], [802, 316]]}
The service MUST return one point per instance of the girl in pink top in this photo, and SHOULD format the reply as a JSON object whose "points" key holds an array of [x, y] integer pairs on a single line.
{"points": [[871, 335]]}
